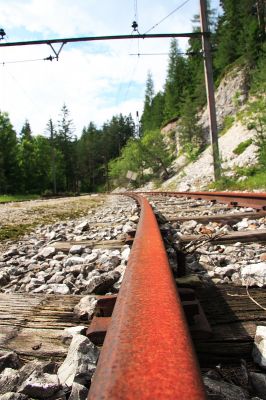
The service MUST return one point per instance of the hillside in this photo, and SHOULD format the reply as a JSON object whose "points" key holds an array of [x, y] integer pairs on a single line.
{"points": [[236, 141]]}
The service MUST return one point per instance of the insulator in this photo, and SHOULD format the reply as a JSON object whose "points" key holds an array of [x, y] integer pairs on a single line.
{"points": [[134, 25]]}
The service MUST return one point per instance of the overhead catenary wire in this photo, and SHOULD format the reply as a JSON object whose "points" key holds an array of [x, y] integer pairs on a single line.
{"points": [[50, 58], [167, 16]]}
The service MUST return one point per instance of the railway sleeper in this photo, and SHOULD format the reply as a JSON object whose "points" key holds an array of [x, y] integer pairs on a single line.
{"points": [[196, 319]]}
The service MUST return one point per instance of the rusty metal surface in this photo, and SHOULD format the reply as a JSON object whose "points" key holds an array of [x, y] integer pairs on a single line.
{"points": [[147, 353], [254, 200]]}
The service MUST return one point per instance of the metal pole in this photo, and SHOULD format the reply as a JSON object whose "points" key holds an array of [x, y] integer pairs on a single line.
{"points": [[99, 38], [206, 45]]}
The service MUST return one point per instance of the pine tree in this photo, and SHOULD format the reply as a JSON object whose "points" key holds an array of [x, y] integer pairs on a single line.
{"points": [[27, 162], [65, 142], [176, 82], [239, 31], [146, 118], [9, 173]]}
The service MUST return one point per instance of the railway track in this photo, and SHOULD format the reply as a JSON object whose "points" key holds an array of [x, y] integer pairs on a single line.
{"points": [[189, 304]]}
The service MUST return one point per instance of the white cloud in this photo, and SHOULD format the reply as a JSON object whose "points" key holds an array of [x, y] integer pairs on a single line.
{"points": [[96, 80]]}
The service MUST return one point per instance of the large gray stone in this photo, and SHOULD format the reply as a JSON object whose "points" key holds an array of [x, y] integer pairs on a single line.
{"points": [[258, 382], [90, 258], [4, 278], [8, 380], [254, 274], [40, 385], [259, 348], [74, 260], [47, 252], [226, 391], [60, 288], [68, 333], [9, 359], [85, 308], [13, 396], [82, 227], [76, 249], [78, 392], [101, 284], [80, 362]]}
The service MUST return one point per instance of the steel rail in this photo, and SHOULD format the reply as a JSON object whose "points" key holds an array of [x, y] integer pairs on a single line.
{"points": [[254, 200], [147, 352]]}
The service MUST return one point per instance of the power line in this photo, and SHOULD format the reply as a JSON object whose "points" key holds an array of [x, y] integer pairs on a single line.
{"points": [[50, 58], [136, 10], [131, 80], [167, 16]]}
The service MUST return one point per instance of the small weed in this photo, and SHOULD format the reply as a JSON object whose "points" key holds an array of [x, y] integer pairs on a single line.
{"points": [[242, 147]]}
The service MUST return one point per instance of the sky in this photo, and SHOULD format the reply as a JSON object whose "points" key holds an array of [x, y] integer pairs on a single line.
{"points": [[95, 80]]}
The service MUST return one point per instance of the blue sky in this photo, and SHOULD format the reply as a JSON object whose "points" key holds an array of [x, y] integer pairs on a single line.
{"points": [[95, 80]]}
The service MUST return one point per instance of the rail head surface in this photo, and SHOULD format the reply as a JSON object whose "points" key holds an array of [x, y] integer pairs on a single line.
{"points": [[248, 199], [147, 352]]}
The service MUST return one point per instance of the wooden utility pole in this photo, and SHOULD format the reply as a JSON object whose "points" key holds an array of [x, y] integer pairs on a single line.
{"points": [[206, 46]]}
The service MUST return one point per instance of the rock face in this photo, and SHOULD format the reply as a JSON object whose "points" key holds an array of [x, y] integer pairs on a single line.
{"points": [[259, 349], [80, 362], [230, 97]]}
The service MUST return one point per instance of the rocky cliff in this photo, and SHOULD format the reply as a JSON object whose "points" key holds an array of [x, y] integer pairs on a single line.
{"points": [[231, 96]]}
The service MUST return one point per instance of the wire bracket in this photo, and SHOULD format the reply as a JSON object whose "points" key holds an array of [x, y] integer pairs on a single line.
{"points": [[55, 52]]}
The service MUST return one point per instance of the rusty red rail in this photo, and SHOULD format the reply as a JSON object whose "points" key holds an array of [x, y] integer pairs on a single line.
{"points": [[254, 200], [147, 352]]}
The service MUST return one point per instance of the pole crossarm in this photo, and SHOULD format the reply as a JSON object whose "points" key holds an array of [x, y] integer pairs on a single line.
{"points": [[101, 38]]}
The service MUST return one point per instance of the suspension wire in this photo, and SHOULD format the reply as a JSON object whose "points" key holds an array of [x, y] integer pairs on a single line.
{"points": [[131, 80], [136, 10], [167, 16], [24, 91], [191, 53], [50, 58]]}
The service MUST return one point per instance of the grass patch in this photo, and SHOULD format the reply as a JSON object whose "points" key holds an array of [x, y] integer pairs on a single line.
{"points": [[242, 147], [227, 124], [255, 181], [20, 197], [13, 232], [47, 215]]}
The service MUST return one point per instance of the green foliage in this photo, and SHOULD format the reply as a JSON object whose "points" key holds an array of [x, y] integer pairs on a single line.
{"points": [[146, 118], [242, 146], [227, 124], [255, 114], [14, 198], [9, 168], [239, 31], [177, 81], [148, 152], [257, 180]]}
